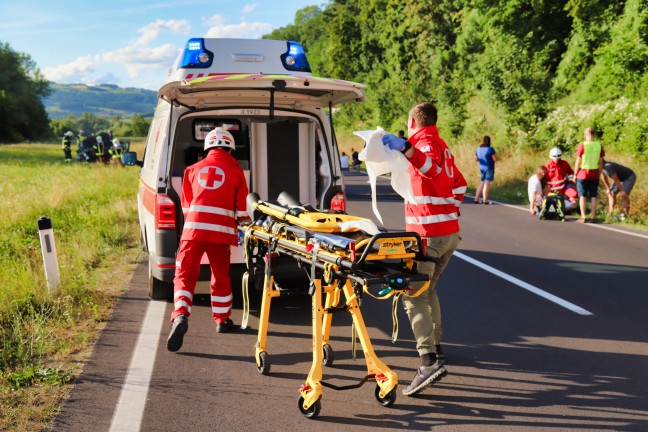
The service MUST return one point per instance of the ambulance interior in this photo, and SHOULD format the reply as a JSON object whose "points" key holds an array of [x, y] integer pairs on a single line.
{"points": [[279, 154]]}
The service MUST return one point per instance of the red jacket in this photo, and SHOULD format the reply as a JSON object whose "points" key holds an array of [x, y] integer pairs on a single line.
{"points": [[213, 191], [437, 184], [557, 172]]}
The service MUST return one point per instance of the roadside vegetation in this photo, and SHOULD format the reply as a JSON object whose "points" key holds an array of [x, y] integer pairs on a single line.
{"points": [[45, 338]]}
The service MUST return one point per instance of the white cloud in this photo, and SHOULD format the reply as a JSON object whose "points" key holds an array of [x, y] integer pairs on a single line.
{"points": [[252, 30], [74, 71], [248, 8], [151, 31], [138, 58], [214, 20]]}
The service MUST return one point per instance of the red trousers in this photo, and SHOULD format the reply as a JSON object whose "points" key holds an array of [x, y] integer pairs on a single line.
{"points": [[188, 270]]}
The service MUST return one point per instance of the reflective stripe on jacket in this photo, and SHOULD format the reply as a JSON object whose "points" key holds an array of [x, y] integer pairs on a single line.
{"points": [[213, 191], [437, 184]]}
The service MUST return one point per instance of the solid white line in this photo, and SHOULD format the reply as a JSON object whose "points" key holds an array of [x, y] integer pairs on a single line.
{"points": [[601, 226], [132, 400], [552, 298]]}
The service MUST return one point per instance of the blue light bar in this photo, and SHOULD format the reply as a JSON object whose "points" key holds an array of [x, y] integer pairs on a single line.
{"points": [[195, 55], [295, 58]]}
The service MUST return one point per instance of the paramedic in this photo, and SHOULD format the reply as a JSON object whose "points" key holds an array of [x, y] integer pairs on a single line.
{"points": [[559, 173], [213, 194], [589, 162], [438, 188]]}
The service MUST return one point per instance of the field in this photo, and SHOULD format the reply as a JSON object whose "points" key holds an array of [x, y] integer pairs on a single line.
{"points": [[45, 337]]}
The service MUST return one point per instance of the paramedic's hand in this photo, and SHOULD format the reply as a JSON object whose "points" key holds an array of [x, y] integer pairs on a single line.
{"points": [[393, 142]]}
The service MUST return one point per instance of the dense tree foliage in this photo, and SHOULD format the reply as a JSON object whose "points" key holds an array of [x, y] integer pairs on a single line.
{"points": [[22, 115], [526, 59]]}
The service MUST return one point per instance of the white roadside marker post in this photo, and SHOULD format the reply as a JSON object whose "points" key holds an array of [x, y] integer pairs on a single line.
{"points": [[50, 260]]}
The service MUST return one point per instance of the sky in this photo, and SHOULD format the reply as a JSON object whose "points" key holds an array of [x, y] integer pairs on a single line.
{"points": [[130, 43]]}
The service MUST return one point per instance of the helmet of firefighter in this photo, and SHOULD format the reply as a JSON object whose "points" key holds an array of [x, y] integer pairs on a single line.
{"points": [[116, 142], [69, 134], [555, 153], [219, 137], [99, 139]]}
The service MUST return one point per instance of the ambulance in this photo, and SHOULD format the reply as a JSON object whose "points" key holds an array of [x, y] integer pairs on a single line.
{"points": [[264, 94]]}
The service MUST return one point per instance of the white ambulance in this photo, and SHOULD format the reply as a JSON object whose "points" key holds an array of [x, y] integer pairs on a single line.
{"points": [[263, 92]]}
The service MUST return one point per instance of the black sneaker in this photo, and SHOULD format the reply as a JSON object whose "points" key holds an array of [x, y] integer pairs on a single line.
{"points": [[425, 376], [440, 356], [178, 329], [225, 326]]}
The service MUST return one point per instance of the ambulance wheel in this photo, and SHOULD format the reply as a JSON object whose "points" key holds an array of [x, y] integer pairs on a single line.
{"points": [[328, 355], [312, 411], [263, 366], [389, 398], [157, 289]]}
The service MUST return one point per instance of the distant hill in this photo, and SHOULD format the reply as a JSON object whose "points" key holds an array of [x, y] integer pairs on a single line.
{"points": [[105, 99]]}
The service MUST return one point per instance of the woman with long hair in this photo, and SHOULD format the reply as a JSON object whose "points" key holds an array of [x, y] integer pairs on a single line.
{"points": [[486, 156]]}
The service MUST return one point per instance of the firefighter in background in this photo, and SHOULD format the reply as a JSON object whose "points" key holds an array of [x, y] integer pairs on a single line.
{"points": [[98, 148], [214, 193], [68, 137], [116, 151]]}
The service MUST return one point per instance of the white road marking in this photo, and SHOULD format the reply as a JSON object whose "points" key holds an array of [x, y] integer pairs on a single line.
{"points": [[601, 226], [132, 400], [552, 298]]}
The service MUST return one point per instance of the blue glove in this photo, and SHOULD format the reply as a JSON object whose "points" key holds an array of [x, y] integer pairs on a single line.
{"points": [[393, 142]]}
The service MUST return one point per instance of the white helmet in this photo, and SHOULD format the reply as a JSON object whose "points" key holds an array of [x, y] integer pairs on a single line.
{"points": [[219, 137], [69, 134], [555, 153], [99, 139], [116, 142]]}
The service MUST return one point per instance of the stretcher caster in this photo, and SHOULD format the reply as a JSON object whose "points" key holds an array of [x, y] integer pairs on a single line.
{"points": [[389, 398], [263, 363], [312, 411], [328, 355]]}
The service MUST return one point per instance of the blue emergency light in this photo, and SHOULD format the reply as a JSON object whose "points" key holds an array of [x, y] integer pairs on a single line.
{"points": [[195, 55], [295, 58]]}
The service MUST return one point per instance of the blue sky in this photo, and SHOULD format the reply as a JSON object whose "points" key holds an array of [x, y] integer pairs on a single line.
{"points": [[130, 43]]}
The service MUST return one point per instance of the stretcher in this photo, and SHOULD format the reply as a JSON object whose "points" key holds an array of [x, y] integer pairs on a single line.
{"points": [[338, 261]]}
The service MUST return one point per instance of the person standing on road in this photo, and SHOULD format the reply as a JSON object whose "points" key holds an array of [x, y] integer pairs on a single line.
{"points": [[589, 162], [344, 162], [486, 156], [438, 188], [623, 180], [214, 191]]}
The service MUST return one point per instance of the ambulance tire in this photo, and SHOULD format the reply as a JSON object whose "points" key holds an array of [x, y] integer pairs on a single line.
{"points": [[157, 289]]}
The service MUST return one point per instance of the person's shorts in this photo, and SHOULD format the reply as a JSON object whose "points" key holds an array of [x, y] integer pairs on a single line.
{"points": [[488, 175], [627, 184], [587, 188]]}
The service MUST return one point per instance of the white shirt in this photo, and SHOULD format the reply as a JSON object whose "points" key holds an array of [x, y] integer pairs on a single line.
{"points": [[344, 162], [535, 188]]}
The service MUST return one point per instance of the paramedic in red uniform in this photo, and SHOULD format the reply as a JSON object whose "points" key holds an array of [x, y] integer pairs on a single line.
{"points": [[213, 194], [438, 188], [559, 173]]}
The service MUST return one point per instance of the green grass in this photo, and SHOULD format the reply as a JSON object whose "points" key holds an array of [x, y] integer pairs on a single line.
{"points": [[94, 214]]}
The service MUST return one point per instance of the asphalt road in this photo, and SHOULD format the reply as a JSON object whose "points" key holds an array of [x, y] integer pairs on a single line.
{"points": [[545, 329]]}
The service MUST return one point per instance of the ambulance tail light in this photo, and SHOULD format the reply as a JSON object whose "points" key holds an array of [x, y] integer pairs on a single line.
{"points": [[338, 202], [195, 55], [295, 58], [165, 213]]}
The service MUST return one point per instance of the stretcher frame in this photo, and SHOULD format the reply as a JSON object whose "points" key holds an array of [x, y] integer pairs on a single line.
{"points": [[387, 259]]}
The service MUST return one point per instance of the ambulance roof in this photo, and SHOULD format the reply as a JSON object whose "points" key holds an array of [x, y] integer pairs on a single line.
{"points": [[213, 72]]}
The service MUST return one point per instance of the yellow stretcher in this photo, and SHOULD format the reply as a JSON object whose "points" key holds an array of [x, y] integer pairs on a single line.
{"points": [[348, 263]]}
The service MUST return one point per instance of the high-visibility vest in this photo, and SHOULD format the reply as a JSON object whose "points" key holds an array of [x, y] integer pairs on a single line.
{"points": [[67, 143], [591, 155]]}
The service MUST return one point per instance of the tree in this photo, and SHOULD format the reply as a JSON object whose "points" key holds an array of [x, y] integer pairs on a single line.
{"points": [[22, 114]]}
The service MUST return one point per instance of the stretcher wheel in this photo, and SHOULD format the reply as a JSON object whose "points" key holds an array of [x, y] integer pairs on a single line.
{"points": [[264, 363], [389, 398], [328, 355], [312, 411]]}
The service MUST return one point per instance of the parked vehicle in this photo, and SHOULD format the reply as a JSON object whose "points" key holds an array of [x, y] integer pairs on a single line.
{"points": [[264, 94]]}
